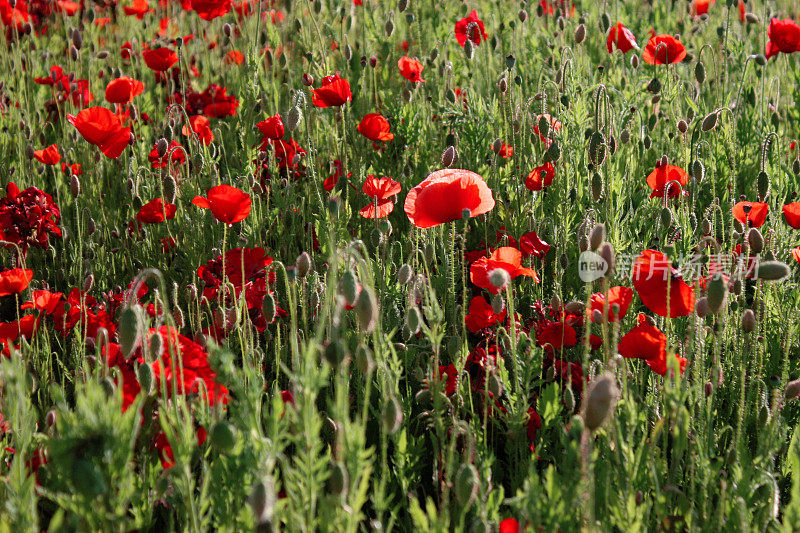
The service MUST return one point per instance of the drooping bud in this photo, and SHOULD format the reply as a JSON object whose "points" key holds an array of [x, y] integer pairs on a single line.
{"points": [[580, 33], [597, 236], [756, 240], [710, 121], [600, 401], [792, 390], [130, 330], [404, 273], [293, 118], [349, 287]]}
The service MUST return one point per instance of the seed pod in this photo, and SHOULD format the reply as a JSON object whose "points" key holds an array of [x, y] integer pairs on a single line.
{"points": [[772, 270], [580, 33], [367, 310], [748, 321], [349, 287], [303, 264], [392, 415], [709, 122], [762, 181], [717, 294], [466, 485], [600, 401], [755, 240], [223, 436], [262, 501], [700, 72]]}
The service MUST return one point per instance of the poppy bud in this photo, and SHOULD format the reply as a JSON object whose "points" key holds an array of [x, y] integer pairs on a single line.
{"points": [[449, 156], [364, 361], [772, 270], [307, 80], [262, 501], [635, 61], [597, 236], [762, 182], [792, 390], [575, 307], [710, 121], [761, 60], [88, 282], [144, 375], [392, 415], [553, 153], [335, 352], [522, 15], [499, 278], [597, 187], [497, 145], [293, 118], [469, 49], [666, 217], [717, 294], [348, 51], [756, 240], [748, 321], [700, 72], [751, 18], [597, 148], [367, 310], [73, 53], [466, 485], [606, 251], [161, 147], [502, 85], [413, 319], [223, 436], [269, 307], [701, 307], [654, 86], [597, 316], [434, 54], [580, 33], [404, 273], [796, 166], [74, 186], [50, 419], [682, 126], [498, 304], [466, 213], [600, 401], [389, 27], [130, 330], [698, 170], [177, 316]]}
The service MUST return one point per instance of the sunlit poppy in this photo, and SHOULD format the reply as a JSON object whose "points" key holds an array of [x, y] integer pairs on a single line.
{"points": [[15, 280], [380, 191], [333, 92], [648, 343], [751, 214], [49, 155], [156, 211], [622, 38], [474, 26], [228, 204], [446, 195], [410, 69], [663, 49], [375, 127], [101, 127], [660, 285], [506, 258], [784, 36], [619, 298], [667, 175]]}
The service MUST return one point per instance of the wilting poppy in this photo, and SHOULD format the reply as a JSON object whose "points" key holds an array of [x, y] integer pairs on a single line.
{"points": [[375, 127], [156, 211], [48, 156], [507, 258], [540, 177], [751, 214], [15, 280], [481, 315], [667, 174], [653, 276], [474, 26], [380, 191], [649, 344], [445, 195], [784, 36], [532, 244], [228, 204], [663, 49], [271, 128], [622, 38], [211, 9], [101, 127], [791, 213], [334, 91], [410, 69], [200, 125], [159, 59], [617, 296], [122, 90]]}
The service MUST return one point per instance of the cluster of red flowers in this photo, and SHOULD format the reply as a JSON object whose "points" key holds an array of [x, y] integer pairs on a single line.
{"points": [[28, 218]]}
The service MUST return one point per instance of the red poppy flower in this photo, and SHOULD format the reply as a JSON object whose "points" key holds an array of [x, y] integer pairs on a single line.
{"points": [[648, 343], [211, 9], [101, 127], [784, 36], [271, 128], [375, 127], [380, 191], [622, 37], [334, 91], [751, 214], [540, 177], [791, 213], [477, 31], [444, 195], [511, 525], [155, 212], [796, 254], [24, 327], [228, 204], [700, 7], [159, 59], [28, 218], [532, 244], [664, 174], [620, 296], [663, 49], [43, 300], [410, 69], [139, 8], [123, 90], [481, 315], [653, 276], [49, 155], [554, 336], [219, 103], [15, 280], [505, 257], [505, 151], [201, 126]]}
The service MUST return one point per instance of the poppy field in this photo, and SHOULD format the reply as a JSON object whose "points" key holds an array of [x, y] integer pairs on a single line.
{"points": [[402, 265]]}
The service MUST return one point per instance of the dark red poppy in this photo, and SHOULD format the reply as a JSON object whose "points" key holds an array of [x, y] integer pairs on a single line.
{"points": [[663, 49], [506, 258], [174, 156], [444, 196], [271, 129], [554, 336], [648, 343], [784, 36], [375, 127], [28, 218], [211, 9], [622, 38], [48, 156], [228, 204], [200, 125], [751, 214], [532, 244], [474, 26], [700, 7], [333, 92], [540, 177], [380, 191], [511, 525], [410, 69], [660, 285], [662, 175], [122, 90], [481, 315], [450, 375], [15, 280], [791, 213], [155, 212], [43, 300], [159, 59], [617, 296], [101, 127]]}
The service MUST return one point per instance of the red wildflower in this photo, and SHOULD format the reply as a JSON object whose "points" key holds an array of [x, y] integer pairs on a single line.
{"points": [[532, 244], [667, 174], [333, 92], [540, 177], [622, 38], [201, 126], [234, 57], [227, 204], [505, 257], [648, 343], [49, 155], [410, 69], [139, 8], [796, 254], [211, 9], [653, 277], [475, 27], [481, 315], [15, 280], [271, 129], [700, 7], [375, 127], [159, 59], [43, 300], [791, 213], [444, 196], [155, 212], [556, 336], [101, 127], [751, 214], [28, 218], [122, 90], [381, 191], [511, 525], [617, 296], [663, 49], [784, 36]]}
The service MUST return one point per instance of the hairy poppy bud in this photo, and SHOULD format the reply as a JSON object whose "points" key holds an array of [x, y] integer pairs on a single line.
{"points": [[307, 80], [717, 294], [161, 147], [497, 145], [392, 415], [131, 329], [404, 273], [606, 251], [569, 399], [575, 307], [654, 86], [502, 85], [710, 121], [751, 18], [683, 126], [367, 309], [349, 287], [413, 319], [348, 51], [792, 390], [293, 118], [748, 321], [756, 240], [772, 270], [303, 264], [580, 33], [499, 278], [762, 182], [389, 27], [223, 436], [635, 61], [553, 153], [498, 304], [600, 401], [597, 236], [269, 307], [466, 485], [700, 72], [262, 501], [597, 148], [469, 49], [449, 156], [666, 217], [74, 186], [698, 170], [466, 213]]}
